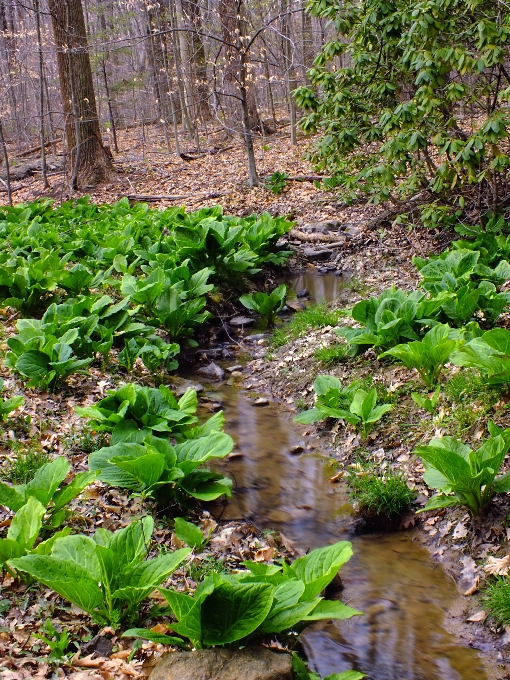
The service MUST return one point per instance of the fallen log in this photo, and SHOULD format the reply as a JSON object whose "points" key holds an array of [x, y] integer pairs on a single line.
{"points": [[35, 149], [152, 199]]}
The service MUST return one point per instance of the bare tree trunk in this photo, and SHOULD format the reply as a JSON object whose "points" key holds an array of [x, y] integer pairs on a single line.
{"points": [[235, 70], [191, 10], [6, 161], [41, 93], [87, 157]]}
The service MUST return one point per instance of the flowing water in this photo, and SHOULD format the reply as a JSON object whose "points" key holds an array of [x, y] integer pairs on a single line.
{"points": [[391, 578]]}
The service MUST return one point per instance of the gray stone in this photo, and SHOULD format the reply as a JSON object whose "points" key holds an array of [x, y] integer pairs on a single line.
{"points": [[251, 663], [212, 371], [315, 255], [261, 401], [237, 321], [237, 367], [352, 230], [180, 386], [322, 227]]}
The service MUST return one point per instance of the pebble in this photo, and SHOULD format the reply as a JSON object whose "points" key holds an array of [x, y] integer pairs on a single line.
{"points": [[261, 401]]}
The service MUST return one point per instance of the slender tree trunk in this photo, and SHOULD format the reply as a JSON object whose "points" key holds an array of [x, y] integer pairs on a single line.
{"points": [[87, 157], [191, 10], [41, 93], [6, 161]]}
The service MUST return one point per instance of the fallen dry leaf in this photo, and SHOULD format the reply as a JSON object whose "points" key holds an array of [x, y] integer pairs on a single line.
{"points": [[476, 618], [337, 477], [497, 565], [264, 554]]}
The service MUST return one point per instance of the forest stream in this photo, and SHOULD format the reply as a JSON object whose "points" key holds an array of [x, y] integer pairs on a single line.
{"points": [[391, 577]]}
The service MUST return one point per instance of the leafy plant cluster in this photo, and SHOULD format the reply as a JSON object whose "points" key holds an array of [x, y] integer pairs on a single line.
{"points": [[88, 279], [419, 102]]}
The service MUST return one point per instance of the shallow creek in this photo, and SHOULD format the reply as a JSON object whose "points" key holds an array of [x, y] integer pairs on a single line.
{"points": [[391, 578]]}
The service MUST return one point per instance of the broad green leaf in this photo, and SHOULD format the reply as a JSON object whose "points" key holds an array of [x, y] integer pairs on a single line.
{"points": [[10, 549], [131, 544], [331, 609], [320, 566], [188, 533], [10, 497], [143, 578], [27, 523], [147, 469], [67, 578], [47, 479], [232, 612], [69, 492], [33, 364], [81, 550], [158, 638]]}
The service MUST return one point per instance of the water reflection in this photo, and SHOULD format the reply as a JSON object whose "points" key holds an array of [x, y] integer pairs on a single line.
{"points": [[321, 288], [390, 577]]}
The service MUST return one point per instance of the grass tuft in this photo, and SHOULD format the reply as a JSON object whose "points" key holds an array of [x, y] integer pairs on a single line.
{"points": [[497, 599], [315, 316], [379, 495], [331, 355], [22, 470]]}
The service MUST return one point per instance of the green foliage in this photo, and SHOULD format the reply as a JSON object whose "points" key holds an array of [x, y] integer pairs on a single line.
{"points": [[156, 468], [58, 642], [133, 411], [301, 672], [466, 283], [333, 400], [43, 358], [25, 465], [429, 402], [496, 599], [379, 494], [266, 600], [106, 575], [463, 476], [46, 487], [39, 504], [394, 116], [490, 354], [188, 533], [388, 319], [171, 297], [355, 406], [332, 354], [314, 316], [9, 405], [26, 283], [267, 305], [276, 182], [427, 356]]}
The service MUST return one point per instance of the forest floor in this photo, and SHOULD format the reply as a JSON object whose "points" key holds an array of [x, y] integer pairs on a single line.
{"points": [[370, 260]]}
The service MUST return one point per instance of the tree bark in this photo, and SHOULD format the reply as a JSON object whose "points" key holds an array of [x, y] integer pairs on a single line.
{"points": [[89, 162]]}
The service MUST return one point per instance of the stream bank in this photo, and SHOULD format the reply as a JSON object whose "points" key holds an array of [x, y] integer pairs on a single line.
{"points": [[415, 624]]}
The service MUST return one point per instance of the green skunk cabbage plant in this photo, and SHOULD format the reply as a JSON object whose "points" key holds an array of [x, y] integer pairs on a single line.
{"points": [[132, 412], [489, 353], [106, 574], [427, 356], [333, 401], [39, 505], [156, 468], [364, 406], [429, 402], [45, 360], [266, 304], [9, 405], [261, 602], [463, 476], [389, 319], [355, 406]]}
